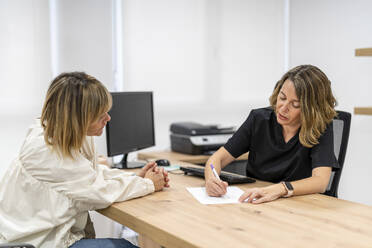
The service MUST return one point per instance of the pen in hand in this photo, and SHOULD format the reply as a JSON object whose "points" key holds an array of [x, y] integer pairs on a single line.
{"points": [[215, 172], [218, 188]]}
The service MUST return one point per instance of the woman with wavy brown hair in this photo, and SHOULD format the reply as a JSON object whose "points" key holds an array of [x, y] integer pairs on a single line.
{"points": [[57, 178], [290, 143]]}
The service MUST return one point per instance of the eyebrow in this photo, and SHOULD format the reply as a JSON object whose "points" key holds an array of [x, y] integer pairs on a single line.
{"points": [[286, 96]]}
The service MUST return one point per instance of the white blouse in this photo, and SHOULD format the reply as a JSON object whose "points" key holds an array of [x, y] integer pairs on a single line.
{"points": [[45, 199]]}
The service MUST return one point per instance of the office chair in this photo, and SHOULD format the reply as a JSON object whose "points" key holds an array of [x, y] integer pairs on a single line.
{"points": [[14, 245], [341, 131]]}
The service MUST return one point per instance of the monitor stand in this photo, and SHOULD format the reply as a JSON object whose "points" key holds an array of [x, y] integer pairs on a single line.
{"points": [[124, 164]]}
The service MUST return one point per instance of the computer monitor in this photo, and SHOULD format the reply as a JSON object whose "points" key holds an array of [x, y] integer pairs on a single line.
{"points": [[131, 127]]}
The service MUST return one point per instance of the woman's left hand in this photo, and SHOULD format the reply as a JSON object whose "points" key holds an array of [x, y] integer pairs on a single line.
{"points": [[265, 194], [148, 166], [153, 166]]}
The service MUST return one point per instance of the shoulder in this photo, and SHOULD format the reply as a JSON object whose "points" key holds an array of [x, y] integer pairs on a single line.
{"points": [[327, 133], [37, 156], [261, 114], [326, 140], [34, 141], [258, 118]]}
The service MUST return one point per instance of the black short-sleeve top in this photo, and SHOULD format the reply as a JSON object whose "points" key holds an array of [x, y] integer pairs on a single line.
{"points": [[270, 157]]}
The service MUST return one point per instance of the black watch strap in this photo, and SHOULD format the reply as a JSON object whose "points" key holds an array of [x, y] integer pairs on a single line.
{"points": [[288, 186]]}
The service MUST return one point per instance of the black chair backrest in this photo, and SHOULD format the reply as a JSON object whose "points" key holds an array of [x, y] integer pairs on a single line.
{"points": [[341, 131]]}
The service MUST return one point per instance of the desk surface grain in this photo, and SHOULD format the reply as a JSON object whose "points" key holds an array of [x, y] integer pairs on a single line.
{"points": [[173, 218]]}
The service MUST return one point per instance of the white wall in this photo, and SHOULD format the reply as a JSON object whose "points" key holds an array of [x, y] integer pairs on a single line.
{"points": [[25, 70], [206, 61], [84, 42], [325, 33], [251, 36]]}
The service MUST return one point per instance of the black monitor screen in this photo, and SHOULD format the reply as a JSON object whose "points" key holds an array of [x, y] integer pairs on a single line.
{"points": [[132, 122]]}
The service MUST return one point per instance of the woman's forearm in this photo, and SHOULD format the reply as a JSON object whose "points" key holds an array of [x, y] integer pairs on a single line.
{"points": [[219, 160], [317, 183]]}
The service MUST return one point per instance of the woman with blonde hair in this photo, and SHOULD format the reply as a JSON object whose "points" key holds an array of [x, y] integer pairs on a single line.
{"points": [[290, 143], [57, 178]]}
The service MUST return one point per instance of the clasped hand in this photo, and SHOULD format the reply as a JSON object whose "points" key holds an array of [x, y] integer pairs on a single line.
{"points": [[157, 175]]}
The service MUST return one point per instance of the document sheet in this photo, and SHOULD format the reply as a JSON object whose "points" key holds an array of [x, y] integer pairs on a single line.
{"points": [[232, 195]]}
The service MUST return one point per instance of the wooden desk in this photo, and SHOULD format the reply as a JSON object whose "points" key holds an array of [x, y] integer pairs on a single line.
{"points": [[174, 219], [175, 156]]}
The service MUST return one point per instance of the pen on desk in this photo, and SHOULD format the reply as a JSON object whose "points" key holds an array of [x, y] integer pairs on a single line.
{"points": [[215, 172]]}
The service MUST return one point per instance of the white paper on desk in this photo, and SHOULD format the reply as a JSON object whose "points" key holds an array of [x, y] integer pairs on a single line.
{"points": [[232, 195]]}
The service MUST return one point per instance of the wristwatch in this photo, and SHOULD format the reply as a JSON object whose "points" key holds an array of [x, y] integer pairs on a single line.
{"points": [[288, 186]]}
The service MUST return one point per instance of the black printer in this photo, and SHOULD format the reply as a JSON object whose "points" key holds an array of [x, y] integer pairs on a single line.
{"points": [[194, 138]]}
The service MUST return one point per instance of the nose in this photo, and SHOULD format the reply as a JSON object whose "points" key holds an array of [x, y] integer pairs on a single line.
{"points": [[285, 107], [108, 117]]}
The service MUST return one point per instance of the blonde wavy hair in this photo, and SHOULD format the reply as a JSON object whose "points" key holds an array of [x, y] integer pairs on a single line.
{"points": [[73, 101], [317, 102]]}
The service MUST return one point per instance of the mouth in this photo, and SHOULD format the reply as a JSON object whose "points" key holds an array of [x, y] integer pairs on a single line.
{"points": [[282, 117]]}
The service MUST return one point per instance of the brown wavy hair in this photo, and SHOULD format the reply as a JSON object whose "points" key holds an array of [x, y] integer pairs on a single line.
{"points": [[317, 102], [74, 100]]}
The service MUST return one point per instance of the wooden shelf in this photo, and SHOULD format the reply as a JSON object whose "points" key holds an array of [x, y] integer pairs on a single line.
{"points": [[363, 52], [363, 110]]}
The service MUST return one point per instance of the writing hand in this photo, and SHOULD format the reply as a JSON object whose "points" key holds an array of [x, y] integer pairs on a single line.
{"points": [[215, 187]]}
